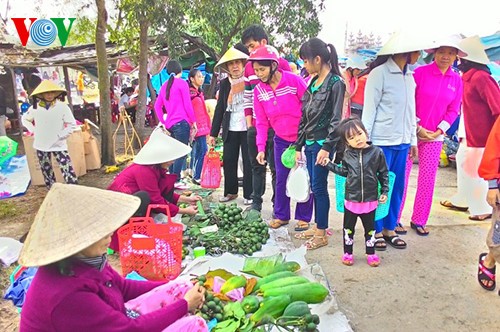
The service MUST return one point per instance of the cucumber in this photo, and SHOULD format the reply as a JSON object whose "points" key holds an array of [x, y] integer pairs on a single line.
{"points": [[283, 283], [297, 309], [312, 292], [273, 277]]}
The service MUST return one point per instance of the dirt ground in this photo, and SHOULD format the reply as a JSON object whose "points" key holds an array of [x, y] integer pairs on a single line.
{"points": [[430, 286]]}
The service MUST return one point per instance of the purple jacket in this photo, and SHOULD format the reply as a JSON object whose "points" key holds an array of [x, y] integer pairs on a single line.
{"points": [[90, 300], [178, 107]]}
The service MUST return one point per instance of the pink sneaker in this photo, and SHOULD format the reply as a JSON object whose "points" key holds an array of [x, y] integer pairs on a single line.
{"points": [[347, 259], [373, 260]]}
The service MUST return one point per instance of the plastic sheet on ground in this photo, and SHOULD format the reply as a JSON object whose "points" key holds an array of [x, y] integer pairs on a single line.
{"points": [[331, 318], [9, 250]]}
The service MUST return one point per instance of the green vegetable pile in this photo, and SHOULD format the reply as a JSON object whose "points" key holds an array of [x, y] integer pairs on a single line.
{"points": [[237, 234]]}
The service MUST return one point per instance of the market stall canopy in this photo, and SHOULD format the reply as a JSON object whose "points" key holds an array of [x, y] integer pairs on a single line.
{"points": [[492, 46]]}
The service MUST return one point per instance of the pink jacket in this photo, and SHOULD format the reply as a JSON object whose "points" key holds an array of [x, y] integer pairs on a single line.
{"points": [[280, 109], [178, 107], [200, 112], [151, 179], [437, 97]]}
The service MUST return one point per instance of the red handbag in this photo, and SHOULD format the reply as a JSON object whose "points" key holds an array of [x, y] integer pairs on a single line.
{"points": [[210, 172]]}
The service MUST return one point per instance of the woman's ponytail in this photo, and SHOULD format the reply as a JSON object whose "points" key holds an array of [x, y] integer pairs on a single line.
{"points": [[334, 60], [173, 68]]}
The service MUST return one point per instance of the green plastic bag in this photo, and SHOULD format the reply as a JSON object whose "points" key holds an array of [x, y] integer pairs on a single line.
{"points": [[288, 157]]}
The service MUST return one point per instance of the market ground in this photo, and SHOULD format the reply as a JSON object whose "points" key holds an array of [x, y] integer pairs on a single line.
{"points": [[430, 286]]}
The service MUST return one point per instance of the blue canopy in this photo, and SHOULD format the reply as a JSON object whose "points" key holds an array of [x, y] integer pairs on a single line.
{"points": [[492, 46]]}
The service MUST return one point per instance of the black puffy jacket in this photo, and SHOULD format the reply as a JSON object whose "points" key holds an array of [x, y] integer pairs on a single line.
{"points": [[364, 169], [321, 113]]}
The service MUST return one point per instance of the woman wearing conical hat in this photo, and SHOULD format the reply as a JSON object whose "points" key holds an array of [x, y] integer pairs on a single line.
{"points": [[230, 117], [51, 121], [390, 120], [148, 178], [75, 289]]}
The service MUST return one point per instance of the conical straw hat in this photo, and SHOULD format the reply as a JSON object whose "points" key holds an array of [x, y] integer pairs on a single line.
{"points": [[475, 50], [230, 55], [452, 41], [47, 86], [161, 148], [356, 62], [403, 42], [71, 218]]}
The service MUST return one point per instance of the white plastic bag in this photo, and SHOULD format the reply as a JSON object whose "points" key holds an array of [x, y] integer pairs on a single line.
{"points": [[298, 186]]}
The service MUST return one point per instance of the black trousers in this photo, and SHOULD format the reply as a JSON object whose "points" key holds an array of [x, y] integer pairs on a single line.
{"points": [[258, 170], [368, 220], [235, 141]]}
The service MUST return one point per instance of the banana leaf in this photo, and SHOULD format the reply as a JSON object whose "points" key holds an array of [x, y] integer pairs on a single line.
{"points": [[262, 266]]}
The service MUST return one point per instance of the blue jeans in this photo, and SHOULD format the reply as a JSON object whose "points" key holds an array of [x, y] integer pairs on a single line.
{"points": [[197, 155], [319, 184], [180, 131]]}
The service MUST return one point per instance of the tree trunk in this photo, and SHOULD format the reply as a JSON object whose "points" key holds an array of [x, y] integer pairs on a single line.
{"points": [[68, 87], [153, 95], [143, 78], [107, 148]]}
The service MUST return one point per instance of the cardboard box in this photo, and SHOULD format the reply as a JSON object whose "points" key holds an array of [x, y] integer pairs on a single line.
{"points": [[91, 147], [92, 154], [76, 153]]}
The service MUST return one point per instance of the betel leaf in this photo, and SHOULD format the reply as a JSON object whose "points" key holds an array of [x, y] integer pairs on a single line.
{"points": [[234, 309], [247, 326], [228, 325]]}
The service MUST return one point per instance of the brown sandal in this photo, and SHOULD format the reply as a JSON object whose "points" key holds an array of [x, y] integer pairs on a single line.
{"points": [[450, 205], [306, 235], [301, 226], [276, 223], [317, 241]]}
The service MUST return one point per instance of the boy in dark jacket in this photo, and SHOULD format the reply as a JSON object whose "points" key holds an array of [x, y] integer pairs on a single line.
{"points": [[364, 166]]}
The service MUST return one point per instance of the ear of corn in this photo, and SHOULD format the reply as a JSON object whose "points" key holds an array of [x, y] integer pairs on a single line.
{"points": [[233, 283]]}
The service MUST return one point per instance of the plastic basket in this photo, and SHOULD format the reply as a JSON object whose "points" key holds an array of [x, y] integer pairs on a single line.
{"points": [[382, 209], [152, 250], [211, 173]]}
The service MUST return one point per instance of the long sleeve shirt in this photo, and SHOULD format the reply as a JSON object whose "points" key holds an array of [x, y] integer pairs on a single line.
{"points": [[91, 300], [489, 168], [149, 178], [389, 109], [203, 121], [280, 109], [481, 106], [178, 107], [51, 127], [251, 80], [437, 97]]}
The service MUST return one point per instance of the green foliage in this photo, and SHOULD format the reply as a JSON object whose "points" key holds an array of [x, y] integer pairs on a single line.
{"points": [[83, 31], [164, 19], [289, 23]]}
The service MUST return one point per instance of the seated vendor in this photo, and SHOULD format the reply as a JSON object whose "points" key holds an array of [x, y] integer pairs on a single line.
{"points": [[75, 289], [148, 178]]}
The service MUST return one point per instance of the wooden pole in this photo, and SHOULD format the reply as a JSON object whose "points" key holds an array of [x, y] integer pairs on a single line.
{"points": [[16, 103], [68, 86]]}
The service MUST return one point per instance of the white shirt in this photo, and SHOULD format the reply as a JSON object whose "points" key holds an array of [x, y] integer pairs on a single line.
{"points": [[50, 126], [124, 100]]}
